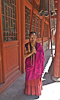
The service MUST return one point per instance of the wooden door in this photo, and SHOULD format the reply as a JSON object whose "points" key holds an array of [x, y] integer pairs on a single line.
{"points": [[10, 42]]}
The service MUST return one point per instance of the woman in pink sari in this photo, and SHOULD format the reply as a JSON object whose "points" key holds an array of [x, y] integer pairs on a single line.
{"points": [[34, 65]]}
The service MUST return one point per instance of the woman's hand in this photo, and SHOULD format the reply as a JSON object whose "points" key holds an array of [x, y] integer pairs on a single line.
{"points": [[27, 54], [34, 50]]}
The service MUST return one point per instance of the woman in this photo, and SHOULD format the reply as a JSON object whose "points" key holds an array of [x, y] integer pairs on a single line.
{"points": [[34, 65]]}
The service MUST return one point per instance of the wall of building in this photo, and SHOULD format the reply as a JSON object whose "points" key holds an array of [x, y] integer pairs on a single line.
{"points": [[13, 45]]}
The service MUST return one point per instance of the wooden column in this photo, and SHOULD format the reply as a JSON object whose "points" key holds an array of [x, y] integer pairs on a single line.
{"points": [[42, 28], [1, 67], [1, 48], [57, 57], [18, 9], [22, 34]]}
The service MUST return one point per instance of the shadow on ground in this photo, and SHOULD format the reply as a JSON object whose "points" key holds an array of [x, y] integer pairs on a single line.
{"points": [[48, 76]]}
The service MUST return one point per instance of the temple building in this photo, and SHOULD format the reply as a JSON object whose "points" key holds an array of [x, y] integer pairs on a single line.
{"points": [[17, 19]]}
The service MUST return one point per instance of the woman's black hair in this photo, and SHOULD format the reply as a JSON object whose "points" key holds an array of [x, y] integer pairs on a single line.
{"points": [[32, 33]]}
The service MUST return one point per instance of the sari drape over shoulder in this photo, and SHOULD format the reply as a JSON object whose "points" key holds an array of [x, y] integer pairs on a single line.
{"points": [[35, 71]]}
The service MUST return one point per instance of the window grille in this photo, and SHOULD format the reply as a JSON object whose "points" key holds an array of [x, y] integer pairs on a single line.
{"points": [[37, 19], [27, 22], [9, 20], [40, 29], [33, 23]]}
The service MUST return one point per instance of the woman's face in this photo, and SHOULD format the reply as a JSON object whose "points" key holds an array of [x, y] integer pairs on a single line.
{"points": [[32, 38]]}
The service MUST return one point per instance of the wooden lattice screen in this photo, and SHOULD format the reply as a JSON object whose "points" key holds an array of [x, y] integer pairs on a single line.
{"points": [[36, 6], [33, 23], [37, 19], [40, 29], [45, 30], [9, 20], [27, 22]]}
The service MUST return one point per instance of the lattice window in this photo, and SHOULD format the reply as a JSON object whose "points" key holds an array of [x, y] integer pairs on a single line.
{"points": [[40, 29], [33, 23], [36, 6], [45, 30], [27, 22], [37, 19], [30, 1], [9, 20]]}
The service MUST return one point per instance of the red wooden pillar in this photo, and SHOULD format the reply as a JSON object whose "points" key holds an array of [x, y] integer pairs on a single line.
{"points": [[42, 28], [1, 78], [1, 48], [22, 34], [57, 57], [18, 9]]}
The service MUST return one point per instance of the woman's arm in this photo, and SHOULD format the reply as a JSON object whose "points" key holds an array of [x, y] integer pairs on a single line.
{"points": [[27, 54]]}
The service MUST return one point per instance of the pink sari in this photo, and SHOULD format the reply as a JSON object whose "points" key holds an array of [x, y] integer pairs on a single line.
{"points": [[33, 82], [35, 71]]}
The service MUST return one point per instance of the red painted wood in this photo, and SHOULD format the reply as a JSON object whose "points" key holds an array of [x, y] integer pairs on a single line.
{"points": [[27, 4], [1, 67], [10, 55], [8, 83], [22, 34], [1, 49], [57, 53], [37, 1], [18, 11], [13, 62], [10, 60]]}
